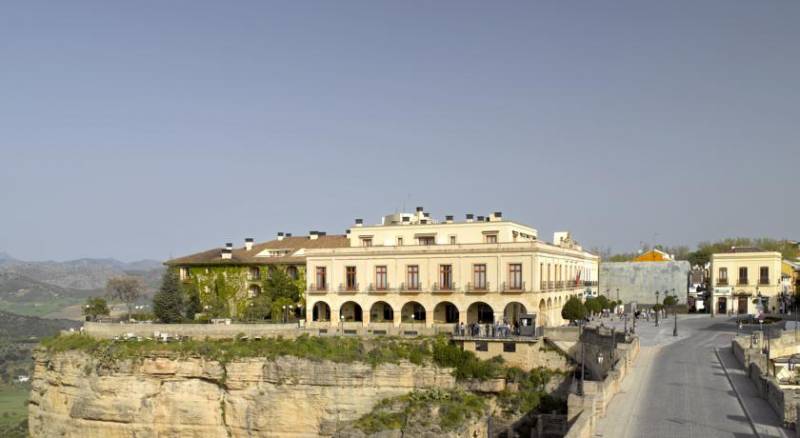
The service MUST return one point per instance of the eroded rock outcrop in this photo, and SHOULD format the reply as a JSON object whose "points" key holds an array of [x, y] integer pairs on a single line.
{"points": [[77, 395]]}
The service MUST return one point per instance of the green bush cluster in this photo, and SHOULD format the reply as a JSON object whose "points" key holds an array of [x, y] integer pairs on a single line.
{"points": [[465, 363], [531, 393], [452, 408]]}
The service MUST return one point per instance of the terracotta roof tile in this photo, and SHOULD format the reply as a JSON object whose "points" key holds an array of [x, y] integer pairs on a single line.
{"points": [[241, 256]]}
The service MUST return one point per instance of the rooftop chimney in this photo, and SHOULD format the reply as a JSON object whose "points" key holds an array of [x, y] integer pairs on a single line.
{"points": [[280, 235], [248, 243], [313, 235], [288, 234], [496, 216], [419, 209], [227, 254], [480, 218], [229, 246], [448, 219], [406, 219], [470, 217], [359, 222]]}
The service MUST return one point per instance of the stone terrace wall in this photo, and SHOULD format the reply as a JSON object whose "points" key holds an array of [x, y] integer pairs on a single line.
{"points": [[585, 411], [784, 402], [212, 331]]}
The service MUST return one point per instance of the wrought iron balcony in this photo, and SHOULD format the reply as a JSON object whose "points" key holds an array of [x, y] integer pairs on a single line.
{"points": [[379, 288], [477, 288], [722, 282], [443, 288], [409, 287], [317, 288], [345, 288], [513, 287]]}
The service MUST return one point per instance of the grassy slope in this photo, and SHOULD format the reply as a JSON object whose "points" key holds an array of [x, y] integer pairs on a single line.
{"points": [[13, 406]]}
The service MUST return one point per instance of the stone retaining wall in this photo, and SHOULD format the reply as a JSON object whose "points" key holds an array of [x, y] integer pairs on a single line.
{"points": [[784, 402], [585, 411]]}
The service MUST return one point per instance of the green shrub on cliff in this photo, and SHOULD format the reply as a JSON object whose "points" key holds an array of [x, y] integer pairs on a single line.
{"points": [[432, 409]]}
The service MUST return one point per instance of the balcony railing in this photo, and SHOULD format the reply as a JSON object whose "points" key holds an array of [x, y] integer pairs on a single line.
{"points": [[349, 288], [742, 282], [317, 288], [763, 281], [590, 283], [379, 288], [513, 287], [477, 288], [559, 285], [722, 282], [410, 287], [443, 288]]}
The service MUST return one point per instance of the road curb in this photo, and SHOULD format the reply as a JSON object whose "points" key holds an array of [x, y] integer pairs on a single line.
{"points": [[738, 396]]}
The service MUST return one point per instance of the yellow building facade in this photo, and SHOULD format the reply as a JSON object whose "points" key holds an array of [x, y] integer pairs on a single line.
{"points": [[412, 270], [743, 277]]}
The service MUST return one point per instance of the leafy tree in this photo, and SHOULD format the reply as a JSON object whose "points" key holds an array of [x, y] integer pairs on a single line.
{"points": [[94, 307], [603, 302], [193, 305], [670, 300], [168, 302], [573, 310], [593, 306], [278, 308], [278, 284], [125, 289], [259, 307], [658, 307]]}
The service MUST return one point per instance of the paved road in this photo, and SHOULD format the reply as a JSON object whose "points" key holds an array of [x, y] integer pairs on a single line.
{"points": [[679, 388]]}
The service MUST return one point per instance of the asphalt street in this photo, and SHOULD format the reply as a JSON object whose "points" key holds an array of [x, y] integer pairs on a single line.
{"points": [[679, 387]]}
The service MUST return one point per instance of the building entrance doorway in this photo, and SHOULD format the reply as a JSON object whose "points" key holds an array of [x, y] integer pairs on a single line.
{"points": [[742, 305], [722, 305]]}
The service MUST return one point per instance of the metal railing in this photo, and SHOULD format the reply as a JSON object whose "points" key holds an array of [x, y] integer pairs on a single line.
{"points": [[512, 287], [446, 288], [722, 282], [379, 289], [404, 287], [344, 288], [742, 282], [317, 288], [478, 287]]}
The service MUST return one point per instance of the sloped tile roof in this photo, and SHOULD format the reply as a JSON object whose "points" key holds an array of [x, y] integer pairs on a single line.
{"points": [[241, 256]]}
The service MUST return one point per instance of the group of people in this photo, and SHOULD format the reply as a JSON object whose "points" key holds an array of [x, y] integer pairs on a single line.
{"points": [[503, 329]]}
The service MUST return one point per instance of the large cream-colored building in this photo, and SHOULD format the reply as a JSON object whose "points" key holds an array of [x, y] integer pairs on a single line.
{"points": [[740, 276], [412, 269]]}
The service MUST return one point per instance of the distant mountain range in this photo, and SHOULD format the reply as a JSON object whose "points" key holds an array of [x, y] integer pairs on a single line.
{"points": [[39, 288]]}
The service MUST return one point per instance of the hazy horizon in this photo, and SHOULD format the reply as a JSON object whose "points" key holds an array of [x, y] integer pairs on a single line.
{"points": [[148, 130]]}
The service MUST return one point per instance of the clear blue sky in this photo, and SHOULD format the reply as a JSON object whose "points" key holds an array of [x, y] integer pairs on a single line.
{"points": [[149, 129]]}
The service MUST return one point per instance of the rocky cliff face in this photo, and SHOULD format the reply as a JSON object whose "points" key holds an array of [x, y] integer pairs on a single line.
{"points": [[75, 395]]}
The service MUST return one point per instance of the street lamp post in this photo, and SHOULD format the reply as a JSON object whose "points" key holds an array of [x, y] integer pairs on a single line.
{"points": [[675, 315], [626, 323], [656, 307], [583, 360]]}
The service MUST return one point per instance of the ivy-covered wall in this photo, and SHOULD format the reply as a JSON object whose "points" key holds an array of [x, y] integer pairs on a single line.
{"points": [[223, 291]]}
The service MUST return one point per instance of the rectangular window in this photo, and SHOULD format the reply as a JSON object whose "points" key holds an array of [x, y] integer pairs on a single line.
{"points": [[399, 241], [184, 273], [445, 277], [321, 278], [350, 278], [479, 276], [723, 277], [412, 277], [763, 276], [743, 275], [509, 347], [515, 276], [452, 240], [491, 238], [254, 273], [366, 241], [481, 346], [427, 240], [381, 278]]}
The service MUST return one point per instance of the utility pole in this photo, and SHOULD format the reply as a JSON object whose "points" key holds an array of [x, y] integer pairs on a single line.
{"points": [[656, 308]]}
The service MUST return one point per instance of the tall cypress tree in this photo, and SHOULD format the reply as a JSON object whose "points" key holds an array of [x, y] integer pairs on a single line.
{"points": [[168, 301]]}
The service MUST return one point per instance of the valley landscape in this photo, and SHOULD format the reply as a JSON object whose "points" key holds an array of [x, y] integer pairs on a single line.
{"points": [[39, 299]]}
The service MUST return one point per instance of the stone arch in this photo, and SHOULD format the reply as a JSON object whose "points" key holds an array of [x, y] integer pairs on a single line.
{"points": [[351, 311], [541, 317], [321, 311], [549, 303], [445, 313], [480, 312], [254, 290], [413, 311], [513, 311], [292, 272], [381, 311]]}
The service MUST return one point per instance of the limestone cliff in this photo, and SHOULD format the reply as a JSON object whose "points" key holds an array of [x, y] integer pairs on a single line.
{"points": [[76, 395]]}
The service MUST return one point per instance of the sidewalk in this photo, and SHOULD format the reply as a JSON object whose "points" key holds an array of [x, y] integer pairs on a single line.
{"points": [[764, 419]]}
